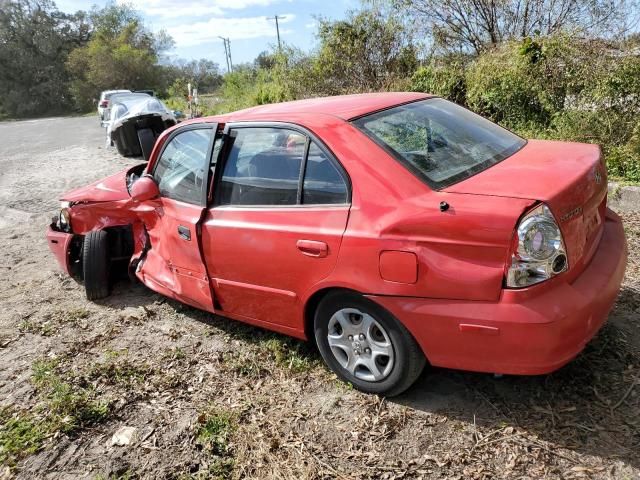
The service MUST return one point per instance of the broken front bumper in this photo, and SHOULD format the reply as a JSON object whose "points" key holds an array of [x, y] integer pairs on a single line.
{"points": [[60, 243]]}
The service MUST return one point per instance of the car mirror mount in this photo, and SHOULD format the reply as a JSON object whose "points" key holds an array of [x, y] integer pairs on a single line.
{"points": [[145, 188]]}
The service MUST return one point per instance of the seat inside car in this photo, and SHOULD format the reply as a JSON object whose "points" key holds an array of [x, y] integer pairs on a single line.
{"points": [[270, 178]]}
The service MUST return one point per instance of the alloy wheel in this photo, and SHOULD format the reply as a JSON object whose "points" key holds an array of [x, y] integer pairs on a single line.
{"points": [[360, 344]]}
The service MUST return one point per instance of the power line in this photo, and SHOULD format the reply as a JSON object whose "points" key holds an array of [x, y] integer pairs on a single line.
{"points": [[276, 18]]}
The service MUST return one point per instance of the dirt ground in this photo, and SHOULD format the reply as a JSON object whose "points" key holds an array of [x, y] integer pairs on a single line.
{"points": [[210, 398]]}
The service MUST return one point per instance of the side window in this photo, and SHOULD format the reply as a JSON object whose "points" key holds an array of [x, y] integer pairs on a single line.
{"points": [[180, 171], [263, 167], [323, 183]]}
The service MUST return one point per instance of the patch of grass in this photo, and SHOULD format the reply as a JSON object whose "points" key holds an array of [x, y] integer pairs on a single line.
{"points": [[220, 470], [113, 354], [21, 434], [246, 365], [43, 370], [51, 323], [214, 431], [291, 355], [115, 371], [216, 427], [46, 329], [72, 316], [122, 476], [287, 353], [174, 354], [268, 352], [67, 406], [63, 406], [340, 384]]}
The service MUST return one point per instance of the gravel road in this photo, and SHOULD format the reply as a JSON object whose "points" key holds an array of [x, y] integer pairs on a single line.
{"points": [[40, 159], [210, 398]]}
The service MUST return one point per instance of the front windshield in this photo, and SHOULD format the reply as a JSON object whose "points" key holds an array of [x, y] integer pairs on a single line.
{"points": [[439, 141]]}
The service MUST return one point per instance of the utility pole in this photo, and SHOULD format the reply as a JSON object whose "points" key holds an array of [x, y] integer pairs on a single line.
{"points": [[227, 52], [276, 18], [229, 49]]}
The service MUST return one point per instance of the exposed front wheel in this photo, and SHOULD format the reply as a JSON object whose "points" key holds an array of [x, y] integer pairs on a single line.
{"points": [[365, 345], [95, 264]]}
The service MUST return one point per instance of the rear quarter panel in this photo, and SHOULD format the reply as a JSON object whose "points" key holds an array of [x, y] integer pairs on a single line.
{"points": [[461, 253]]}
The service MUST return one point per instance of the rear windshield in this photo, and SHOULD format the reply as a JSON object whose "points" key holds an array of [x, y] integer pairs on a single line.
{"points": [[439, 141]]}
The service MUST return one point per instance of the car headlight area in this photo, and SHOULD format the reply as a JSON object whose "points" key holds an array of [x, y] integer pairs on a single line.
{"points": [[64, 218]]}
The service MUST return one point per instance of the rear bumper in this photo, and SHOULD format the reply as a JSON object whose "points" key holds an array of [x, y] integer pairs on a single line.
{"points": [[60, 244], [527, 332], [125, 133]]}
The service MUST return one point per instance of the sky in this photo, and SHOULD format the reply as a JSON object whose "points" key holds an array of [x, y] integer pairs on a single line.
{"points": [[196, 25]]}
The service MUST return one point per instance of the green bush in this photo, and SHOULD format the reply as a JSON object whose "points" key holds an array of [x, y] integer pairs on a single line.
{"points": [[501, 85], [624, 161], [236, 91], [368, 51], [446, 79], [566, 89], [619, 87], [589, 126]]}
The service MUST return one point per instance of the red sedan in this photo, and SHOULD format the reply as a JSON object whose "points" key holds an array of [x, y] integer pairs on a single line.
{"points": [[391, 229]]}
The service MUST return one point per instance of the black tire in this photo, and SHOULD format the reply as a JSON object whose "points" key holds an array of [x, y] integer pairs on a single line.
{"points": [[409, 361], [147, 141], [122, 150], [95, 264]]}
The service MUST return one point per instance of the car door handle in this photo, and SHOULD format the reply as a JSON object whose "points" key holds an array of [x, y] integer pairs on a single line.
{"points": [[184, 233], [313, 248]]}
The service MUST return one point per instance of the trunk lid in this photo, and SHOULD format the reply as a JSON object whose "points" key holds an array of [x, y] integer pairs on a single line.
{"points": [[569, 177]]}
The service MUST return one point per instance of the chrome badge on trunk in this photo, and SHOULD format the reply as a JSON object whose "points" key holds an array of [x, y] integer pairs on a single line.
{"points": [[571, 214], [597, 176]]}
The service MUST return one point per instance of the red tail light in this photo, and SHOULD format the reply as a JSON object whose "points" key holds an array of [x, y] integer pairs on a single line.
{"points": [[104, 103]]}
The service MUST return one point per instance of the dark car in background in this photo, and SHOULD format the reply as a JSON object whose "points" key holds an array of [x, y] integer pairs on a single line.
{"points": [[136, 120]]}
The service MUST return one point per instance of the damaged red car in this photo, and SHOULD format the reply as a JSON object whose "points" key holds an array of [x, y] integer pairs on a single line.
{"points": [[390, 229]]}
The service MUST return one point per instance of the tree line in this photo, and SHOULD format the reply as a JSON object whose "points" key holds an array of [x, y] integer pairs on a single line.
{"points": [[53, 62]]}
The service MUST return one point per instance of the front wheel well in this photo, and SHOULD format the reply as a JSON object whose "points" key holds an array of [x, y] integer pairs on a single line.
{"points": [[120, 243]]}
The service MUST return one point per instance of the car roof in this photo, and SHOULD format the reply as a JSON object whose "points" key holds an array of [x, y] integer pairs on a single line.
{"points": [[345, 107], [127, 96], [104, 92]]}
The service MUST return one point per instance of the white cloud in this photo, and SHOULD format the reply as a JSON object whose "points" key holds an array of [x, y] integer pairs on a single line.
{"points": [[193, 8], [191, 34]]}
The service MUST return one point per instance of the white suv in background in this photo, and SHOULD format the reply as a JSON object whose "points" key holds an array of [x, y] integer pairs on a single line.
{"points": [[103, 103]]}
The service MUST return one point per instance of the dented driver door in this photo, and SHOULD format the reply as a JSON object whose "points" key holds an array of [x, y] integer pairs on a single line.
{"points": [[173, 263]]}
